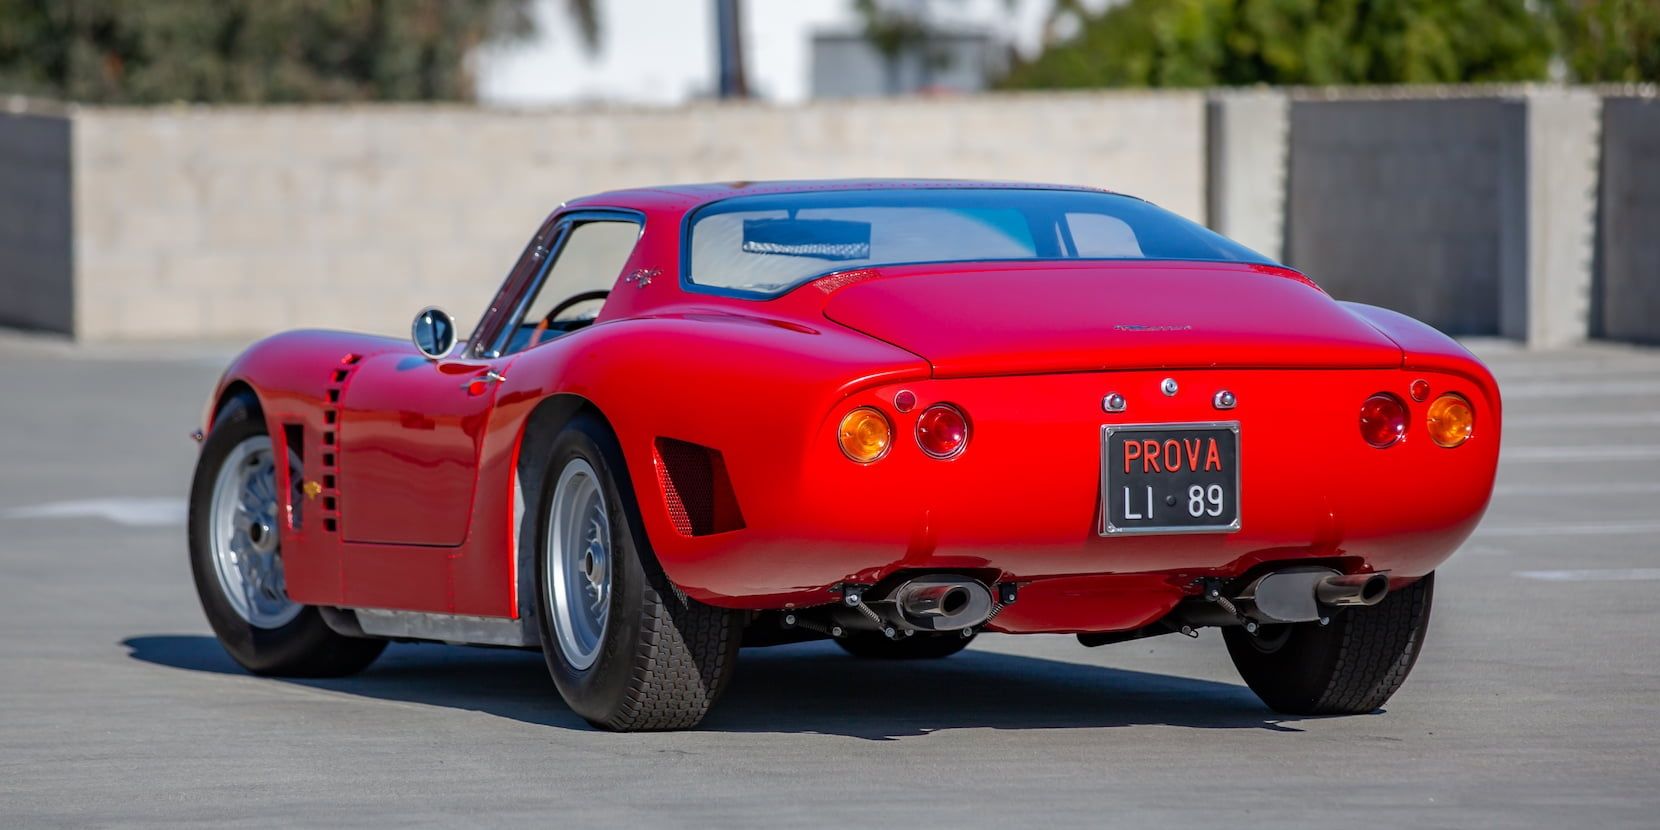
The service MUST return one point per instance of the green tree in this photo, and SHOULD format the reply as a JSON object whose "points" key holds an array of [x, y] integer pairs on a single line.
{"points": [[1185, 43], [1609, 40], [152, 51]]}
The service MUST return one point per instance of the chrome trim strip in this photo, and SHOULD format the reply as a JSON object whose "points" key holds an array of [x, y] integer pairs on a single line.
{"points": [[448, 628]]}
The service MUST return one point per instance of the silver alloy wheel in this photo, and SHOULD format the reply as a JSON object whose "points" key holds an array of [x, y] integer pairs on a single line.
{"points": [[247, 554], [578, 573]]}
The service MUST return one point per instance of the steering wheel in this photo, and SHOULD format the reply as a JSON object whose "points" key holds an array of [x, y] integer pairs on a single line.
{"points": [[584, 297]]}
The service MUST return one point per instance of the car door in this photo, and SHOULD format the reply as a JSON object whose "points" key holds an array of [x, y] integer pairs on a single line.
{"points": [[410, 434], [411, 429]]}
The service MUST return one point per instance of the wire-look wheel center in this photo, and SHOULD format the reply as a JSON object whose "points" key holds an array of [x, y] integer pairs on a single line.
{"points": [[247, 555]]}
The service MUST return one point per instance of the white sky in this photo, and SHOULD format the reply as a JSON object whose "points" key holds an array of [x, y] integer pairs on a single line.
{"points": [[662, 52]]}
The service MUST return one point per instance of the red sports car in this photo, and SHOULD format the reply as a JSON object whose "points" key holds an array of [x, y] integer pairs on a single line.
{"points": [[891, 414]]}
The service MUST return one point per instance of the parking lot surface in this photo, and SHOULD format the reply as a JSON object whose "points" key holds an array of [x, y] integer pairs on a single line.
{"points": [[1536, 702]]}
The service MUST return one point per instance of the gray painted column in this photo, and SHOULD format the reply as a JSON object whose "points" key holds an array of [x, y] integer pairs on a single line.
{"points": [[1626, 301], [36, 242], [1247, 138]]}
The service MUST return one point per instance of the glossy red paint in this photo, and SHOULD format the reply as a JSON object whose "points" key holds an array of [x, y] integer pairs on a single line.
{"points": [[417, 509]]}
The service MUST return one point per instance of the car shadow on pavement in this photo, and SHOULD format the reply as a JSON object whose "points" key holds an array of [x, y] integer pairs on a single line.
{"points": [[811, 689]]}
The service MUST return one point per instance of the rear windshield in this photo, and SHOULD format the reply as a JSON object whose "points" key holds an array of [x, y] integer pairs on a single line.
{"points": [[771, 243]]}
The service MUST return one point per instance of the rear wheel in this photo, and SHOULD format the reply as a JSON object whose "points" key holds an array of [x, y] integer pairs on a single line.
{"points": [[627, 650], [236, 557], [1349, 667], [872, 645]]}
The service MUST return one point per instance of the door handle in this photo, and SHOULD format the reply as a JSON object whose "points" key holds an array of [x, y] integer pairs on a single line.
{"points": [[478, 384]]}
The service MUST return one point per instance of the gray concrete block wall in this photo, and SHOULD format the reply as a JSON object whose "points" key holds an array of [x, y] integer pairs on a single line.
{"points": [[1474, 214], [231, 222], [1396, 203], [36, 269], [1471, 208], [1627, 298]]}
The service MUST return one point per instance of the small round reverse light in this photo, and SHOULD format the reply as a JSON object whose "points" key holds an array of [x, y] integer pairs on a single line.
{"points": [[904, 400], [865, 434], [942, 431], [1451, 420], [1420, 390], [1382, 420]]}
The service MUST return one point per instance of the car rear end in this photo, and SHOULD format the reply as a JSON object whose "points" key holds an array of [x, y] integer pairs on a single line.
{"points": [[1105, 519], [1100, 436]]}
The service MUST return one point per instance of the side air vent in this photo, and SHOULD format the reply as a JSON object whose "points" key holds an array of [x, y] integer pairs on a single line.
{"points": [[696, 489], [293, 436], [328, 469]]}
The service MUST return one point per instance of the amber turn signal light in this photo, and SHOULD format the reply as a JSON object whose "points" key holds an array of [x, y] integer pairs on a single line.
{"points": [[1451, 420], [1382, 420], [865, 435]]}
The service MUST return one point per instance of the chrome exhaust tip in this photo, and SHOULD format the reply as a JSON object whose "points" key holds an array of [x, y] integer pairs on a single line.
{"points": [[941, 602], [1302, 594], [1352, 589]]}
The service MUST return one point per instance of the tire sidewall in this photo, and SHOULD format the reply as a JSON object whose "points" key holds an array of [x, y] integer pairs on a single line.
{"points": [[594, 691], [257, 649]]}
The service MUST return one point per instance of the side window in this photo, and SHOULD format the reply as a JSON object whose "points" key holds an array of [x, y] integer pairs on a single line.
{"points": [[1101, 236], [589, 259]]}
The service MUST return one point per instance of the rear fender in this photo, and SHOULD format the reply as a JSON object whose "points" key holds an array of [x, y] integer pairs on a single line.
{"points": [[1428, 349], [753, 389]]}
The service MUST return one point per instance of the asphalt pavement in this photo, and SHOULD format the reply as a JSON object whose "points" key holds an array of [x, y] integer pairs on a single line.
{"points": [[1536, 702]]}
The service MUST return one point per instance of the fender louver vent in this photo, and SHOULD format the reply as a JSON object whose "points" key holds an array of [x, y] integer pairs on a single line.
{"points": [[696, 489], [836, 282], [330, 467]]}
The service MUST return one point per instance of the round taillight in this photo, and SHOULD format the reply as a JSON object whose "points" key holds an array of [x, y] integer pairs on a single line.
{"points": [[942, 431], [865, 434], [1382, 420], [1451, 420]]}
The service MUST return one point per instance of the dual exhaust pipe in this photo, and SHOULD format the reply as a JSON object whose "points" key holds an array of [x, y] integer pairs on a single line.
{"points": [[932, 602], [1302, 594], [947, 602]]}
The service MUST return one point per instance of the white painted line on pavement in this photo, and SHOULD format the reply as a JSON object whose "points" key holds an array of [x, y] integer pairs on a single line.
{"points": [[1567, 370], [130, 512], [1482, 550], [1570, 390], [1584, 419], [1599, 488], [1571, 529], [1588, 452], [1596, 575]]}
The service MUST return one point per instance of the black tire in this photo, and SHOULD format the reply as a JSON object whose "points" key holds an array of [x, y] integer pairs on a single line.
{"points": [[872, 645], [302, 647], [663, 658], [1349, 667]]}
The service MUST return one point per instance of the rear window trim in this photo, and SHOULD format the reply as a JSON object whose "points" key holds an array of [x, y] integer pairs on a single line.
{"points": [[691, 286]]}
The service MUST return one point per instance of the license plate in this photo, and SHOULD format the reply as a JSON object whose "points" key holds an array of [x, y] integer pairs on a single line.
{"points": [[1170, 478]]}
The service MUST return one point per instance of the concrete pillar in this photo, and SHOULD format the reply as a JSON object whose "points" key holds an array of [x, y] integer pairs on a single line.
{"points": [[1547, 300], [1247, 138]]}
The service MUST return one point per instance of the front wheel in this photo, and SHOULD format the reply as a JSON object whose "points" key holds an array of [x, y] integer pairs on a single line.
{"points": [[627, 650], [236, 557], [1349, 667]]}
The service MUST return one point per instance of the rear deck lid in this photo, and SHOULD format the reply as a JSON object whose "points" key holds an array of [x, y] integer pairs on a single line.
{"points": [[998, 319]]}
